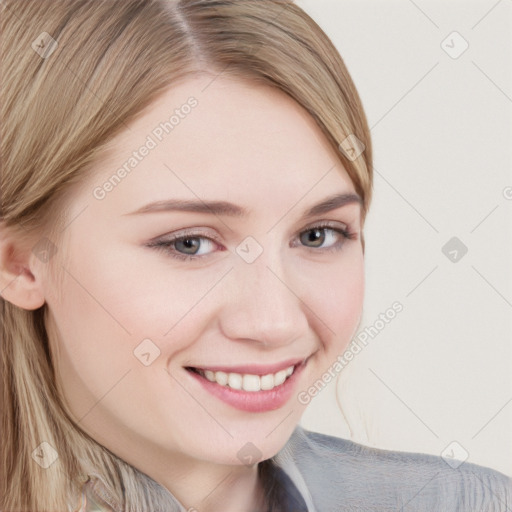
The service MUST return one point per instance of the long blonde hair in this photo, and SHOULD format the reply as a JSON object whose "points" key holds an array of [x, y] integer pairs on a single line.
{"points": [[74, 73]]}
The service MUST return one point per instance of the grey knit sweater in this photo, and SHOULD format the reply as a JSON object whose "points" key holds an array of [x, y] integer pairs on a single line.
{"points": [[319, 473]]}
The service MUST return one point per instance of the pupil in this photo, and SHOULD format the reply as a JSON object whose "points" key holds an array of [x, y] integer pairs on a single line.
{"points": [[189, 243], [316, 236]]}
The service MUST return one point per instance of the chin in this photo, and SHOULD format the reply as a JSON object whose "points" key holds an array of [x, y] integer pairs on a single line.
{"points": [[257, 444]]}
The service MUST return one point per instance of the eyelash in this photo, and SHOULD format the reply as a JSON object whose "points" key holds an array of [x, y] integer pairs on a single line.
{"points": [[165, 245]]}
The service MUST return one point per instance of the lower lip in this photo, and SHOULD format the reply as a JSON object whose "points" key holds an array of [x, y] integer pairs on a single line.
{"points": [[252, 401]]}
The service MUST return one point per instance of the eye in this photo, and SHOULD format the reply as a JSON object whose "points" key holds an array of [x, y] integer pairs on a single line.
{"points": [[192, 245], [186, 247], [316, 237], [326, 236]]}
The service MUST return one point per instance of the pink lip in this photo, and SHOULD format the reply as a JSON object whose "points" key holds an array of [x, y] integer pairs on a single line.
{"points": [[252, 401], [254, 369]]}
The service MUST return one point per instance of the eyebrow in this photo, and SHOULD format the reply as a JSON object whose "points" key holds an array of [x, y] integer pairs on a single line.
{"points": [[224, 208]]}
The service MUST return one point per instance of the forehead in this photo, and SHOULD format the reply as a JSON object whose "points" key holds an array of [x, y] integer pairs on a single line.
{"points": [[222, 139]]}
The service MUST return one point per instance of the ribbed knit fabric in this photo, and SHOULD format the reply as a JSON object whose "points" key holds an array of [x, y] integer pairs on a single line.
{"points": [[319, 473]]}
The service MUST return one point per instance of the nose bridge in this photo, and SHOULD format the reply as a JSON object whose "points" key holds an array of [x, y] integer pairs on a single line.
{"points": [[265, 285], [263, 305]]}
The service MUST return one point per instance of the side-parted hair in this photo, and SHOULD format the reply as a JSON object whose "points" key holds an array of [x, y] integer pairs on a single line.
{"points": [[109, 61]]}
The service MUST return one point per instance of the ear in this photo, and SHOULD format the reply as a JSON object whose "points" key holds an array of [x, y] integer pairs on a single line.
{"points": [[19, 263]]}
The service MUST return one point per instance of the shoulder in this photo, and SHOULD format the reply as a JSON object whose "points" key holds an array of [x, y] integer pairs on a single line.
{"points": [[367, 478]]}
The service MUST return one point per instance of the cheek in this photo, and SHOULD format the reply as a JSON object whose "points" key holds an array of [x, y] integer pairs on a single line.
{"points": [[90, 346], [151, 293], [129, 293], [105, 313], [338, 303], [115, 310]]}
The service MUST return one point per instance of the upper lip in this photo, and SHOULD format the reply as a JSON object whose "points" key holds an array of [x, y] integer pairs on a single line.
{"points": [[253, 369]]}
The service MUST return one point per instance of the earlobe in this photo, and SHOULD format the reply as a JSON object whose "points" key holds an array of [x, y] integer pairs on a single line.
{"points": [[18, 284]]}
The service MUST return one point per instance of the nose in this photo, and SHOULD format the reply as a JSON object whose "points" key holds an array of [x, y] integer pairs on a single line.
{"points": [[263, 305]]}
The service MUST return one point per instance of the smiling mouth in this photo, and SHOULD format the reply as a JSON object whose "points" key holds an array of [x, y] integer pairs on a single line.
{"points": [[246, 381]]}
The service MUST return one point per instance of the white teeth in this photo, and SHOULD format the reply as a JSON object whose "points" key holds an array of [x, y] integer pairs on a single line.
{"points": [[248, 382], [235, 380], [220, 377], [267, 381], [279, 377], [251, 383]]}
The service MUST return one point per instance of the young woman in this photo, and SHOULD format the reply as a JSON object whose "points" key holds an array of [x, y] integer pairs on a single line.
{"points": [[184, 190]]}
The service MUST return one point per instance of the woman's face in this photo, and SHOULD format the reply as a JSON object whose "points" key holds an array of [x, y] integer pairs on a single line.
{"points": [[252, 285]]}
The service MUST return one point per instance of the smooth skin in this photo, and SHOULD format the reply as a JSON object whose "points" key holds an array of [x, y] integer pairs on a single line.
{"points": [[246, 144]]}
